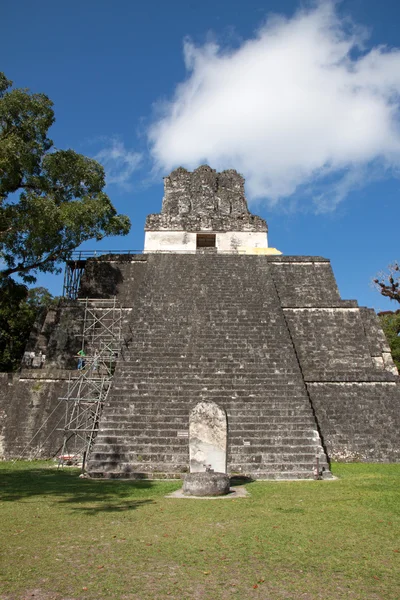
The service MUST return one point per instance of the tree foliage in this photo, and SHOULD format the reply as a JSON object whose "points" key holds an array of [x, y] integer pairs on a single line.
{"points": [[50, 200], [19, 308], [390, 322], [388, 283]]}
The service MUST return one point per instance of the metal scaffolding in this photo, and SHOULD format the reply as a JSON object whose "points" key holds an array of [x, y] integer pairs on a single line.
{"points": [[72, 277], [87, 392]]}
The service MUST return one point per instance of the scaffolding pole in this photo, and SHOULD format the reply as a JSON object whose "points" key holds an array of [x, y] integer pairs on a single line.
{"points": [[87, 392]]}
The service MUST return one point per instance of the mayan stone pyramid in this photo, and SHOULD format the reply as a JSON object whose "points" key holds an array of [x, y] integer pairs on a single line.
{"points": [[235, 357]]}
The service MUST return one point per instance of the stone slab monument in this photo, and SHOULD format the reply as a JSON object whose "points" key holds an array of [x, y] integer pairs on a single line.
{"points": [[223, 338], [207, 438]]}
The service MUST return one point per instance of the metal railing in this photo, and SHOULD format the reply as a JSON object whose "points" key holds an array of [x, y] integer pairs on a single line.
{"points": [[85, 254]]}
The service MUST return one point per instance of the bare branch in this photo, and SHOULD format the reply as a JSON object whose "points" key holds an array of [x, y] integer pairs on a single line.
{"points": [[388, 283]]}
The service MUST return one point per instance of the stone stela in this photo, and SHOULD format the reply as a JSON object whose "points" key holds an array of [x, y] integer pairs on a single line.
{"points": [[207, 438]]}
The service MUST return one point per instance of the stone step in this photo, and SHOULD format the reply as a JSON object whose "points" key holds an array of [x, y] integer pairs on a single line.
{"points": [[276, 382], [174, 471], [151, 433], [140, 457], [263, 452], [154, 345], [164, 430], [239, 340], [250, 434], [239, 355], [181, 415], [141, 444], [235, 404], [154, 453], [247, 334], [259, 421], [232, 363], [102, 473], [191, 372], [224, 396], [188, 371], [245, 399], [274, 467], [262, 355], [139, 385], [223, 327], [256, 441], [165, 463], [237, 419], [228, 315]]}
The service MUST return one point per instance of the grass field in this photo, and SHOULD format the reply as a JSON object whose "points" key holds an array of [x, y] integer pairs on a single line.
{"points": [[68, 538]]}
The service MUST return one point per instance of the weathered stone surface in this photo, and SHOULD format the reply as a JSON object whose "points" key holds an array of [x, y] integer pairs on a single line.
{"points": [[212, 328], [308, 283], [113, 275], [298, 372], [208, 328], [207, 438], [377, 342], [345, 357], [204, 192], [360, 421], [204, 200], [206, 484], [57, 334], [31, 415]]}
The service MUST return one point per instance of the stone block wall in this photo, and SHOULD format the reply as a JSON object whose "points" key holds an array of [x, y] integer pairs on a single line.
{"points": [[208, 328], [113, 275], [304, 281], [57, 334], [266, 338], [345, 361], [330, 343], [360, 421], [377, 342], [31, 414]]}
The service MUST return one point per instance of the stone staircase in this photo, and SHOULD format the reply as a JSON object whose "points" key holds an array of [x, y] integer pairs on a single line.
{"points": [[207, 327]]}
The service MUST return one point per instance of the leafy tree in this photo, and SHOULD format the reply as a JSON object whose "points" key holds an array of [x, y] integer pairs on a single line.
{"points": [[19, 308], [50, 200], [40, 297], [388, 283], [390, 322]]}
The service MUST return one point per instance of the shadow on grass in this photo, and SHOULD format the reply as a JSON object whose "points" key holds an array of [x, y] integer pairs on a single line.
{"points": [[114, 507], [237, 480], [65, 486]]}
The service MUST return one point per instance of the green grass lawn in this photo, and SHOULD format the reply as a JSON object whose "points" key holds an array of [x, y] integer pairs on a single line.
{"points": [[68, 538]]}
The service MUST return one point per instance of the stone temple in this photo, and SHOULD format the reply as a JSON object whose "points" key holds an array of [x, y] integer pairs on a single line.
{"points": [[233, 356]]}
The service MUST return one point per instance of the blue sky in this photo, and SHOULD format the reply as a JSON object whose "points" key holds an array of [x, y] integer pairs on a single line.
{"points": [[305, 104]]}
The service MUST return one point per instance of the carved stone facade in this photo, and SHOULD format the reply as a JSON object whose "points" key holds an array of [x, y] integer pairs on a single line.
{"points": [[205, 202]]}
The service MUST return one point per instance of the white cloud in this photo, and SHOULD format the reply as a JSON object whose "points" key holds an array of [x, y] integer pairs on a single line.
{"points": [[300, 102], [118, 162]]}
